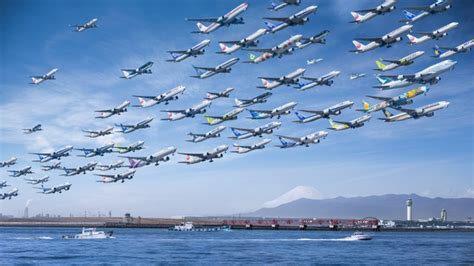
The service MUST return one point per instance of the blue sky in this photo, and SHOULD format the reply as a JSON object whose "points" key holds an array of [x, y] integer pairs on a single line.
{"points": [[430, 156]]}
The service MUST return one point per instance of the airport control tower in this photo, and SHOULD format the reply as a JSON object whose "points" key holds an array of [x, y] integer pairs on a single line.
{"points": [[409, 211]]}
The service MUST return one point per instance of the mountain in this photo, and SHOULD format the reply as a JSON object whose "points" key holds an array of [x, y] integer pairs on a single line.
{"points": [[299, 192], [383, 207]]}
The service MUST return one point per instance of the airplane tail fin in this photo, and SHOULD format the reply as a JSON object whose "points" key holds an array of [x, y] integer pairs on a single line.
{"points": [[358, 45], [387, 113], [300, 116], [210, 120], [265, 83], [332, 123], [141, 101], [252, 57], [365, 107], [254, 114], [224, 48], [201, 27], [283, 141], [379, 64], [412, 39], [35, 80], [382, 80], [408, 15], [356, 16], [437, 51], [238, 102], [269, 25], [236, 132]]}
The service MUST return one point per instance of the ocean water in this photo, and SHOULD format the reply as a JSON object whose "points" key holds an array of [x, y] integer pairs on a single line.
{"points": [[133, 246]]}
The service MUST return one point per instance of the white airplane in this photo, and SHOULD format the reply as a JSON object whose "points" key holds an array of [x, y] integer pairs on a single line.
{"points": [[90, 166], [278, 112], [17, 173], [38, 79], [51, 190], [262, 98], [140, 125], [385, 7], [214, 133], [9, 162], [313, 61], [88, 153], [113, 166], [290, 142], [118, 177], [326, 79], [33, 129], [299, 18], [286, 47], [131, 73], [206, 72], [462, 48], [387, 83], [56, 165], [404, 61], [393, 102], [3, 184], [131, 148], [98, 133], [427, 110], [284, 3], [114, 111], [355, 123], [246, 42], [226, 20], [166, 97], [353, 76], [41, 180], [318, 38], [231, 115], [326, 113], [9, 195], [180, 55], [214, 95], [436, 7], [160, 156], [199, 108], [192, 158], [436, 34], [240, 149], [386, 40], [270, 83], [89, 25], [56, 155], [253, 132]]}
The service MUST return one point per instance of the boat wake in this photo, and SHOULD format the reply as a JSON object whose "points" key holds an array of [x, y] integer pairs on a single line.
{"points": [[34, 238], [327, 239]]}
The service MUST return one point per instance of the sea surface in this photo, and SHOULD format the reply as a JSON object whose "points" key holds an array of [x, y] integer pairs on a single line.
{"points": [[134, 246]]}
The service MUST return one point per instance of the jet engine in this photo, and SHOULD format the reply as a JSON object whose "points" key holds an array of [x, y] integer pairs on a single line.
{"points": [[430, 114]]}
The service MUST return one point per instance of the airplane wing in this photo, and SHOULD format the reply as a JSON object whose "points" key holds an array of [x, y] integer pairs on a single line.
{"points": [[243, 129], [312, 79], [108, 176], [178, 52], [268, 50], [448, 48], [90, 131], [408, 111], [128, 70], [140, 158], [380, 98], [424, 8], [343, 122], [104, 111], [214, 117], [365, 10], [230, 42], [242, 146], [40, 153], [313, 112], [281, 19], [369, 39], [200, 155], [145, 97], [425, 33], [174, 111], [263, 111], [205, 68], [392, 61], [270, 78], [289, 138], [203, 19], [197, 135]]}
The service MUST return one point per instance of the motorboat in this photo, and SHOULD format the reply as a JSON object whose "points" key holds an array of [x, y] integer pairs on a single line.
{"points": [[358, 236], [90, 233]]}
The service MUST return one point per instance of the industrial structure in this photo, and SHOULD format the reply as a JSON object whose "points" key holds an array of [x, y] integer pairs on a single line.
{"points": [[409, 210]]}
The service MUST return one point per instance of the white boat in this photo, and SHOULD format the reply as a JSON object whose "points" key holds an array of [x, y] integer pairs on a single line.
{"points": [[90, 233], [188, 226], [358, 236]]}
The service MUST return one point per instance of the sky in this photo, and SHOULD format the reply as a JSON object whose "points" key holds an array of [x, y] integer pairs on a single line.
{"points": [[430, 156]]}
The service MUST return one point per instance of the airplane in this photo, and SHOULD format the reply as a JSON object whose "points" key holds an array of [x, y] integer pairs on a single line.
{"points": [[41, 180], [114, 111], [286, 47], [24, 171], [33, 129], [355, 123], [214, 95], [56, 155], [39, 79], [206, 72], [3, 184], [89, 25], [393, 102], [262, 98], [326, 113], [270, 83], [278, 112], [436, 7], [192, 158], [436, 34], [382, 9], [118, 177], [318, 38], [284, 3], [240, 149], [386, 40], [199, 108], [214, 133], [246, 42], [313, 61], [9, 195], [56, 165], [9, 162], [231, 115], [88, 153], [51, 190], [180, 55], [130, 128], [113, 166], [99, 133], [404, 61], [299, 18], [131, 73], [323, 80], [166, 97], [290, 142], [131, 148], [162, 155], [427, 110], [217, 22], [462, 48], [387, 83], [353, 76], [90, 166], [253, 132]]}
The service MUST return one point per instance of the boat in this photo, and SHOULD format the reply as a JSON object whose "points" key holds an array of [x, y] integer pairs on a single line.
{"points": [[358, 236], [90, 233], [189, 227]]}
